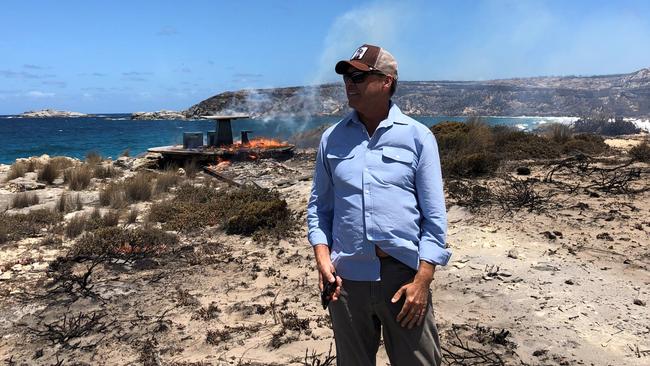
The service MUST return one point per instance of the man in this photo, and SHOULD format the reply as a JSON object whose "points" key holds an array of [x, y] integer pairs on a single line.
{"points": [[377, 220]]}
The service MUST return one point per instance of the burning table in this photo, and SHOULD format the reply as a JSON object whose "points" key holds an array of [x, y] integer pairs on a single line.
{"points": [[221, 147]]}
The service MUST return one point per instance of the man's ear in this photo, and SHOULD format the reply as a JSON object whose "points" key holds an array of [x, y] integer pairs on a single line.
{"points": [[388, 82]]}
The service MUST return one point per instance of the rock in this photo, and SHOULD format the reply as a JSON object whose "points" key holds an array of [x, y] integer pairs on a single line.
{"points": [[523, 170], [540, 352], [149, 161], [124, 162], [604, 236], [639, 302], [162, 114], [513, 253], [180, 172], [5, 276], [569, 282], [52, 113], [549, 235], [22, 184]]}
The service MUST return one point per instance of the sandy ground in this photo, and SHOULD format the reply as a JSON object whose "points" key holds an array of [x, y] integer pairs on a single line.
{"points": [[567, 285]]}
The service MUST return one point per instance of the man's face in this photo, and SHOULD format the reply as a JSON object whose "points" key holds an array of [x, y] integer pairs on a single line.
{"points": [[370, 88]]}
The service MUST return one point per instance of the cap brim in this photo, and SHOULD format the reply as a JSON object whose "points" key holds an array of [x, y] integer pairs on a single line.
{"points": [[343, 66]]}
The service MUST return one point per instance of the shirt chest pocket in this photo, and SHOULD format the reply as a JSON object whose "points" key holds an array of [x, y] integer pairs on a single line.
{"points": [[341, 166], [397, 166]]}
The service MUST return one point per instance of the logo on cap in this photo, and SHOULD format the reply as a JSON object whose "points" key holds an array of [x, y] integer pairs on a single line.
{"points": [[358, 54]]}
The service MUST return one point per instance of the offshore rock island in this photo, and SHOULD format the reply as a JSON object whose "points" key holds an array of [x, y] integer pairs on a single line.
{"points": [[622, 95]]}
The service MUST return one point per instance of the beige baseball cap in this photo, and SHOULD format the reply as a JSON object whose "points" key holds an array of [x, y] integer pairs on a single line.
{"points": [[369, 58]]}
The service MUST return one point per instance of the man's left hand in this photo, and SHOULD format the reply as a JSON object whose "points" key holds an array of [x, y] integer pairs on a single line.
{"points": [[417, 297]]}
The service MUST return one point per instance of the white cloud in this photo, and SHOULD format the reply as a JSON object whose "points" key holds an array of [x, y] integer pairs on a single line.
{"points": [[39, 94]]}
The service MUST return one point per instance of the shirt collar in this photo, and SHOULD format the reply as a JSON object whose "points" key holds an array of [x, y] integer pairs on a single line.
{"points": [[394, 116]]}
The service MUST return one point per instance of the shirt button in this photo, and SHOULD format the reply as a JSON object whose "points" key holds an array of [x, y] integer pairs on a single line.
{"points": [[367, 191]]}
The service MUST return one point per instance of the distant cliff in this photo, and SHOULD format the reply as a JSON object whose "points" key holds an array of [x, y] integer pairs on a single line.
{"points": [[625, 95]]}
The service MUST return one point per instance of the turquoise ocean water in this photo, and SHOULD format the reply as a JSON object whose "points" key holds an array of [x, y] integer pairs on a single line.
{"points": [[110, 135]]}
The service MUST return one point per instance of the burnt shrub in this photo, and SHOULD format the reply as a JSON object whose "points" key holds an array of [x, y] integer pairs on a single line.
{"points": [[78, 178], [641, 152], [123, 243], [585, 143], [48, 173], [30, 224], [138, 187], [24, 199]]}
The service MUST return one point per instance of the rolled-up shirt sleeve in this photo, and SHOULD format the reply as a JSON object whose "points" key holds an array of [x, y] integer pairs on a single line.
{"points": [[431, 199], [321, 202]]}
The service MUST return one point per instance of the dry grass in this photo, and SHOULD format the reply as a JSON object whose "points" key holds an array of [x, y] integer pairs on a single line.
{"points": [[139, 187], [48, 173], [105, 171], [88, 222], [93, 158], [78, 178], [133, 216], [17, 170], [167, 180], [24, 199], [123, 243], [113, 195]]}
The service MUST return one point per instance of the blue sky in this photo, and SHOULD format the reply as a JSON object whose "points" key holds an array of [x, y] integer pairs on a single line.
{"points": [[125, 56]]}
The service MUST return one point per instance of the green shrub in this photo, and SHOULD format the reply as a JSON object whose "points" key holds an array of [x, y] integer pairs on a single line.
{"points": [[238, 211], [24, 199], [138, 187], [511, 144], [557, 132], [641, 152], [78, 178], [48, 173], [585, 143]]}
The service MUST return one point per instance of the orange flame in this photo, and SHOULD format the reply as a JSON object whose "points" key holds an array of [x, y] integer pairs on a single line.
{"points": [[261, 143]]}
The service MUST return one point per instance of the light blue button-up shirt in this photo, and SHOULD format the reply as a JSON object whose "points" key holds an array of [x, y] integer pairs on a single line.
{"points": [[385, 191]]}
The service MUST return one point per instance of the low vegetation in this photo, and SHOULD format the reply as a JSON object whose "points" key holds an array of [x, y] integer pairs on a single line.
{"points": [[641, 152], [242, 211], [17, 170], [24, 199], [48, 173], [89, 222], [78, 178], [123, 243], [475, 149], [605, 125], [19, 226]]}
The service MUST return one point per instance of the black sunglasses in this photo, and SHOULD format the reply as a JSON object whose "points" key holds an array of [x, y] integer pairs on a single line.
{"points": [[359, 77]]}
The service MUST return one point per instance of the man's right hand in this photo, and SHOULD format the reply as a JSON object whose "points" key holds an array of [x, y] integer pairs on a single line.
{"points": [[326, 270]]}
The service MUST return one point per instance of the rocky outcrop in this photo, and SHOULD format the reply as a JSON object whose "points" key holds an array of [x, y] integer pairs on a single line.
{"points": [[163, 114], [52, 113], [624, 95]]}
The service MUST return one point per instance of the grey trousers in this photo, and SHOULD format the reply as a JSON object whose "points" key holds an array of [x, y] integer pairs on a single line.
{"points": [[364, 312]]}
